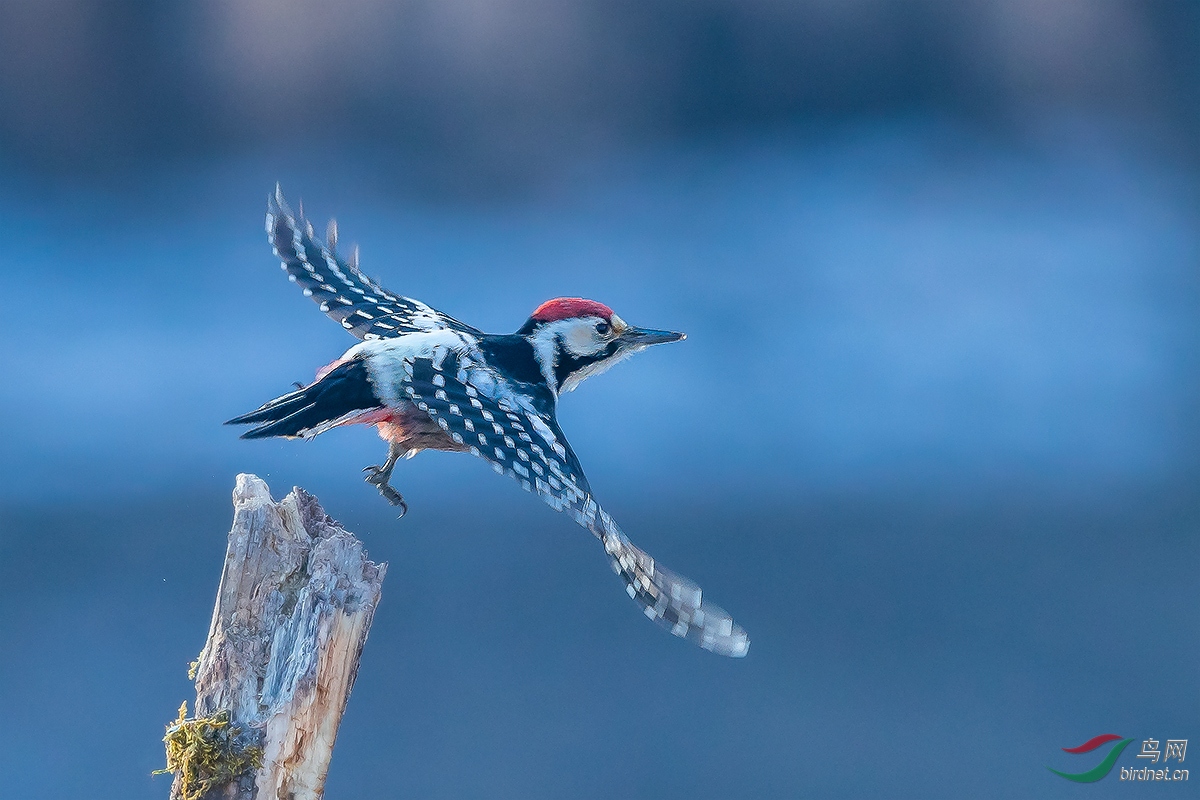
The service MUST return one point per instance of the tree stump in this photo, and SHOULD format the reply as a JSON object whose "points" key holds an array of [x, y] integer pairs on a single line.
{"points": [[293, 611]]}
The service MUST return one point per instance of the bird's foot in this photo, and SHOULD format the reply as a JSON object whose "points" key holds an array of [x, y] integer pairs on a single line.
{"points": [[378, 477], [393, 497]]}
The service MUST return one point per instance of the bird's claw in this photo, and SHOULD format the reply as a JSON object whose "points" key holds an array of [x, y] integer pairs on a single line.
{"points": [[394, 497], [378, 478]]}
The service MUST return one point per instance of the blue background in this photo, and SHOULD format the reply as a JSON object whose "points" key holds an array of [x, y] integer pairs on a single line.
{"points": [[932, 438]]}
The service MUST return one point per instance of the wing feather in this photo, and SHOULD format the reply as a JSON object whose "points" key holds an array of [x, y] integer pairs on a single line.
{"points": [[518, 435], [341, 290]]}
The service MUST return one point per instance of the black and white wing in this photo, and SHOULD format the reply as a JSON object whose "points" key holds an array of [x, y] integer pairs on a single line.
{"points": [[516, 432], [343, 292]]}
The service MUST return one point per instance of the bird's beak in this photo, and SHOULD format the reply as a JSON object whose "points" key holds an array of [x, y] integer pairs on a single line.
{"points": [[643, 337]]}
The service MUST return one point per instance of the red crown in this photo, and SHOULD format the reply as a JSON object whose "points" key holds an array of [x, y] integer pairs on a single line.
{"points": [[570, 308]]}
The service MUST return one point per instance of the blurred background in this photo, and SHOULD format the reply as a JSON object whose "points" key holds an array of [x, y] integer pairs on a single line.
{"points": [[932, 438]]}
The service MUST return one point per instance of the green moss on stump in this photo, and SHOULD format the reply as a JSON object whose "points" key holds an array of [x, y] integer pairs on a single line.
{"points": [[207, 752]]}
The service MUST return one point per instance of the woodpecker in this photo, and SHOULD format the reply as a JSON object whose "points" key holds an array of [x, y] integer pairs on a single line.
{"points": [[430, 382]]}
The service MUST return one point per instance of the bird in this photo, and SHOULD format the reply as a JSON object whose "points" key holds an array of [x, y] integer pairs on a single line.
{"points": [[430, 382]]}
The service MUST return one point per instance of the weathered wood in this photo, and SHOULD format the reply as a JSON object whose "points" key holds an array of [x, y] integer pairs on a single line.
{"points": [[293, 610]]}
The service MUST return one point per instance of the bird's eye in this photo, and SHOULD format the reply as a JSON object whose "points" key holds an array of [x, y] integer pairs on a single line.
{"points": [[602, 328]]}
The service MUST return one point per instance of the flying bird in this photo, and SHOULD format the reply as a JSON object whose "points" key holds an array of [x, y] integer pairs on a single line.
{"points": [[430, 382]]}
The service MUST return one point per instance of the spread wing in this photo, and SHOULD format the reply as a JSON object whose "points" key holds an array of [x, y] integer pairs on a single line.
{"points": [[349, 297], [516, 432]]}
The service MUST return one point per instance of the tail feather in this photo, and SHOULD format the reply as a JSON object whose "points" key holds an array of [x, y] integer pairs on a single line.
{"points": [[297, 423], [272, 410], [341, 392]]}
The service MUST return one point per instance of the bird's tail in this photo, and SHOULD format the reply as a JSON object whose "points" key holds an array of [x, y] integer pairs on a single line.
{"points": [[339, 396]]}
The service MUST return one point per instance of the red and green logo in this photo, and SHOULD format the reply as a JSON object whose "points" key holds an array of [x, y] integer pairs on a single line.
{"points": [[1101, 769]]}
